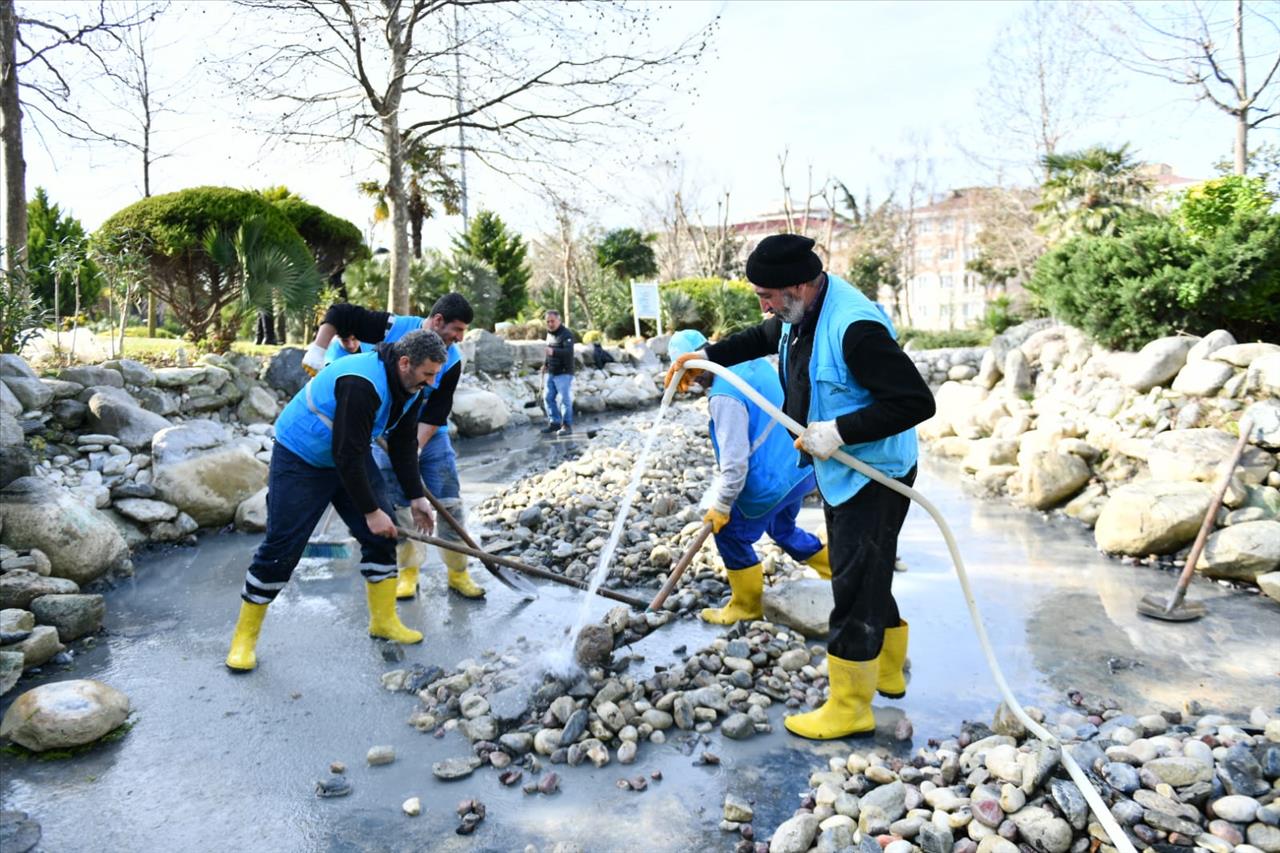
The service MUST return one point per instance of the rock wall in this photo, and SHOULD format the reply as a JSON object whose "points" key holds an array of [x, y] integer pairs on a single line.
{"points": [[1128, 443]]}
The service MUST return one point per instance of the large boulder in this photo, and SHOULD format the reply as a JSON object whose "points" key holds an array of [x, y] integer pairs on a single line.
{"points": [[804, 605], [957, 405], [251, 515], [18, 588], [1243, 355], [285, 372], [258, 406], [492, 353], [1153, 517], [1049, 478], [198, 470], [478, 412], [81, 542], [1157, 363], [30, 393], [132, 424], [620, 393], [1265, 415], [1017, 372], [1209, 344], [90, 375], [1242, 551], [1202, 378], [11, 663], [73, 615], [1264, 374], [64, 714], [1197, 455], [15, 365], [16, 461], [134, 372]]}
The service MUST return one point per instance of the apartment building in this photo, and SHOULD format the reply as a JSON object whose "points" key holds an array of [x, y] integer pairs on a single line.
{"points": [[941, 293]]}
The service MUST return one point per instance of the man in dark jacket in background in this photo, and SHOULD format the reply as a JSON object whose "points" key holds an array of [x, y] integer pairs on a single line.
{"points": [[558, 368]]}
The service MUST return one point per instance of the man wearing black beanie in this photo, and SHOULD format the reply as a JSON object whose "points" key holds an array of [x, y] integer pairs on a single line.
{"points": [[846, 379]]}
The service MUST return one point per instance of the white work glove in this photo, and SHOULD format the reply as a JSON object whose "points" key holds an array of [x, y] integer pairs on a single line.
{"points": [[820, 439], [313, 361]]}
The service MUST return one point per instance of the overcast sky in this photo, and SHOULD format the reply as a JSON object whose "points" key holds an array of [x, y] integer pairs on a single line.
{"points": [[844, 87]]}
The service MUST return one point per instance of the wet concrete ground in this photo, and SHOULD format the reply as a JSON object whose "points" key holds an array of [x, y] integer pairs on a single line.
{"points": [[218, 761]]}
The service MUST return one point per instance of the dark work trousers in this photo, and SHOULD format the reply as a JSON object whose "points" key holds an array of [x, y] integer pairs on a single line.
{"points": [[862, 538], [297, 494]]}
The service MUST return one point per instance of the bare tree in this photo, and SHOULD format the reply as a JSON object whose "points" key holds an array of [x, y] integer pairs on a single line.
{"points": [[526, 81], [33, 84], [1044, 81], [1211, 48]]}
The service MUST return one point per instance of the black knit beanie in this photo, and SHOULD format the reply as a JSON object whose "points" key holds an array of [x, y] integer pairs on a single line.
{"points": [[783, 260]]}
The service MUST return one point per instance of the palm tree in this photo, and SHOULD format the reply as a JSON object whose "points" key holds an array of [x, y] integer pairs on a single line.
{"points": [[265, 273], [429, 178], [1089, 191]]}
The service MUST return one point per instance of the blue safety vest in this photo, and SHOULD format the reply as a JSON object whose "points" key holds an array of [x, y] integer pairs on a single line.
{"points": [[833, 391], [773, 468], [306, 424], [336, 350], [397, 329], [399, 326]]}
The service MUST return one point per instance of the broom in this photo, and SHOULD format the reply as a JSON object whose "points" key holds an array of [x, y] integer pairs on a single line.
{"points": [[324, 544]]}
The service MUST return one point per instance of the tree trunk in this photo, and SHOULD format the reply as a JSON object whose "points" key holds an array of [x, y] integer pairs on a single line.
{"points": [[151, 314], [1242, 115], [393, 146], [14, 167], [417, 213], [282, 328]]}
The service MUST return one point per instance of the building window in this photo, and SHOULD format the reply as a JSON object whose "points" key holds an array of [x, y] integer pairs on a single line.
{"points": [[945, 223], [971, 253], [947, 254], [924, 256], [924, 226], [945, 282]]}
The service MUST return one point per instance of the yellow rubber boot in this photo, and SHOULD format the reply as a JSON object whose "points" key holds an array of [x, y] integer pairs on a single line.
{"points": [[821, 563], [847, 711], [384, 622], [245, 638], [408, 560], [459, 579], [747, 585], [891, 683]]}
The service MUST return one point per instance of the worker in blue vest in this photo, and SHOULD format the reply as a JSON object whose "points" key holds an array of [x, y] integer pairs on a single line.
{"points": [[760, 486], [346, 328], [322, 456], [846, 380]]}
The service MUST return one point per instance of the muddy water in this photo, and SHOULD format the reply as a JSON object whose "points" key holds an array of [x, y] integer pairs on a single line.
{"points": [[227, 762]]}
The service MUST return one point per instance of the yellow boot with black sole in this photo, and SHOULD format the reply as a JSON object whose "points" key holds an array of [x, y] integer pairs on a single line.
{"points": [[384, 622], [407, 577], [847, 711], [891, 682], [244, 640], [745, 602], [460, 580], [821, 563]]}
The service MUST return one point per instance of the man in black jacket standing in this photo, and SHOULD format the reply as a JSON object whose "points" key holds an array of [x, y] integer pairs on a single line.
{"points": [[558, 368], [846, 380]]}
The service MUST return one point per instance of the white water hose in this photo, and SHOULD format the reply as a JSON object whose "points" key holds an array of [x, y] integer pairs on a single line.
{"points": [[1091, 795]]}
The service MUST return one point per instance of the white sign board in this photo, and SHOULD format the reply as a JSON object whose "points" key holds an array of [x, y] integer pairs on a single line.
{"points": [[645, 304]]}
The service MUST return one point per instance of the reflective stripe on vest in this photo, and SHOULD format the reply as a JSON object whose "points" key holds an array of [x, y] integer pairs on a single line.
{"points": [[833, 391], [306, 424]]}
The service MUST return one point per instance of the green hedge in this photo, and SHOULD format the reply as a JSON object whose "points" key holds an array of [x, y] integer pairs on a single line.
{"points": [[921, 339], [1155, 279], [713, 306]]}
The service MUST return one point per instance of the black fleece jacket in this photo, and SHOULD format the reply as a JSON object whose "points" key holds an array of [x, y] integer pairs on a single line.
{"points": [[357, 406]]}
